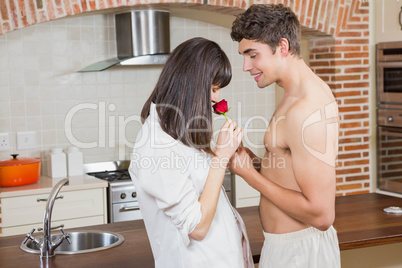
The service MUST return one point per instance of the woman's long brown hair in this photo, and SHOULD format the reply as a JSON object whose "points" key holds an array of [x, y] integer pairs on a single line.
{"points": [[183, 92]]}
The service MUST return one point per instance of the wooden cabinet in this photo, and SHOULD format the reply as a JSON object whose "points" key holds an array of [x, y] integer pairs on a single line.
{"points": [[77, 208], [387, 20]]}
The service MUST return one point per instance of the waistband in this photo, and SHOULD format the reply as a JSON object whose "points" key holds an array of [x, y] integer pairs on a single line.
{"points": [[311, 231]]}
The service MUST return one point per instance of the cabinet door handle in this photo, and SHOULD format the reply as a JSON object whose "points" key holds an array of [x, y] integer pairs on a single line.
{"points": [[129, 208], [400, 18], [45, 199]]}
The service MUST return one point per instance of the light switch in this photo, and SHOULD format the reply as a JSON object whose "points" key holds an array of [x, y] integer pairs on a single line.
{"points": [[26, 140]]}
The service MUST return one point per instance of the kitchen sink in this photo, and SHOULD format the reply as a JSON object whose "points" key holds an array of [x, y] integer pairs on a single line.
{"points": [[81, 242]]}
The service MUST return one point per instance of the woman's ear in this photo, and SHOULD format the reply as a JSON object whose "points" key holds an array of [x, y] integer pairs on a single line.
{"points": [[284, 46]]}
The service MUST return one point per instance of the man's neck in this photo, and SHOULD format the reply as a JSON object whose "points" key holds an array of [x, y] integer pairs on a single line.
{"points": [[295, 73]]}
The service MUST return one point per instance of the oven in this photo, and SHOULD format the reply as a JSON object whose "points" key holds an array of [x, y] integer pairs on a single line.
{"points": [[122, 199], [122, 203], [389, 74], [389, 150]]}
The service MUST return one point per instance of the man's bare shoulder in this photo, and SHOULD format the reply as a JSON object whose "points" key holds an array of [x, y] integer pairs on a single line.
{"points": [[299, 110], [317, 96]]}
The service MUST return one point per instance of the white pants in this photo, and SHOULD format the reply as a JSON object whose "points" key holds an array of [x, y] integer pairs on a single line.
{"points": [[309, 248]]}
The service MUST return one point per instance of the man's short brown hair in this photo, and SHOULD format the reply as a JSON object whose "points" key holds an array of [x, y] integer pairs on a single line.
{"points": [[268, 23]]}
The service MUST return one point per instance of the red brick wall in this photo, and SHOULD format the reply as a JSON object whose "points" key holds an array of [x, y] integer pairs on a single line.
{"points": [[339, 34], [343, 62]]}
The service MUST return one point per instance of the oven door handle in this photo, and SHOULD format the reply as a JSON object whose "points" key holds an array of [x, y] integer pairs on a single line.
{"points": [[130, 208], [384, 131]]}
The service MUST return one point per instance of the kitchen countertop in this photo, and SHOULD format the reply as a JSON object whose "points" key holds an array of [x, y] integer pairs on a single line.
{"points": [[45, 184], [360, 222]]}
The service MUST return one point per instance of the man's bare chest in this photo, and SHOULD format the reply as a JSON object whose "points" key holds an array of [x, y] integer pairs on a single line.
{"points": [[275, 136]]}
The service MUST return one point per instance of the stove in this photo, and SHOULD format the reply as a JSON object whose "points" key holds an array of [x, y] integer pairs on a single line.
{"points": [[121, 193], [117, 175]]}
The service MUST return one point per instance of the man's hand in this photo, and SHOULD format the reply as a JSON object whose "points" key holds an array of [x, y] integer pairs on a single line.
{"points": [[241, 162], [255, 159]]}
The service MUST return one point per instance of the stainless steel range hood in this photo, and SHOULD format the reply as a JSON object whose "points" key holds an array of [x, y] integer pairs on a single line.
{"points": [[142, 38]]}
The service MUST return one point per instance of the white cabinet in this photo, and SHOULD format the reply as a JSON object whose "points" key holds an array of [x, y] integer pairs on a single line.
{"points": [[246, 196], [387, 20], [77, 208]]}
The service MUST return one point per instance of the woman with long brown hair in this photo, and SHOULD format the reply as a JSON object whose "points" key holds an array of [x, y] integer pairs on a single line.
{"points": [[178, 175]]}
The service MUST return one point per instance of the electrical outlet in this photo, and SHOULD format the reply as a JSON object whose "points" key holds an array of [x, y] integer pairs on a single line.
{"points": [[4, 142], [26, 140]]}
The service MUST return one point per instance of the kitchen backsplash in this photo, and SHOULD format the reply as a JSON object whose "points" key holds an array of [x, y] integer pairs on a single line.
{"points": [[41, 90]]}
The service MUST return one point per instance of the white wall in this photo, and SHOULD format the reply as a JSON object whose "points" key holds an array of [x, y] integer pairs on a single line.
{"points": [[387, 26]]}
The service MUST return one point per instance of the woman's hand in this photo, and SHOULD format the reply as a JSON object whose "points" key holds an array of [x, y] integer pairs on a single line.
{"points": [[229, 140]]}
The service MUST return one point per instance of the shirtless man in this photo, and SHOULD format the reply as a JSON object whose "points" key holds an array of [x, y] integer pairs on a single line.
{"points": [[296, 176]]}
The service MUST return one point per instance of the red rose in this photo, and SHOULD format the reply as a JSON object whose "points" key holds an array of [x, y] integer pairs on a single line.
{"points": [[221, 108]]}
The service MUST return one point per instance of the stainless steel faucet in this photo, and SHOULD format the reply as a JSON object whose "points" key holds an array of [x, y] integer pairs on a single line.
{"points": [[45, 245]]}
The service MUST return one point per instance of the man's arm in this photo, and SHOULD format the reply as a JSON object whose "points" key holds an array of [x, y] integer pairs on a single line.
{"points": [[256, 161], [313, 151], [314, 147]]}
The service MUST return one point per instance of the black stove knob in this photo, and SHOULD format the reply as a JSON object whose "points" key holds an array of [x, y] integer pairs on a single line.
{"points": [[123, 196], [134, 195]]}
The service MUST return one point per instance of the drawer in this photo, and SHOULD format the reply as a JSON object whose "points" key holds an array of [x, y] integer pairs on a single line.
{"points": [[390, 117], [24, 210], [68, 224]]}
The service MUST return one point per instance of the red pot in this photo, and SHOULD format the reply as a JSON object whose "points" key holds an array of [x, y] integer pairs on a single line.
{"points": [[19, 171]]}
